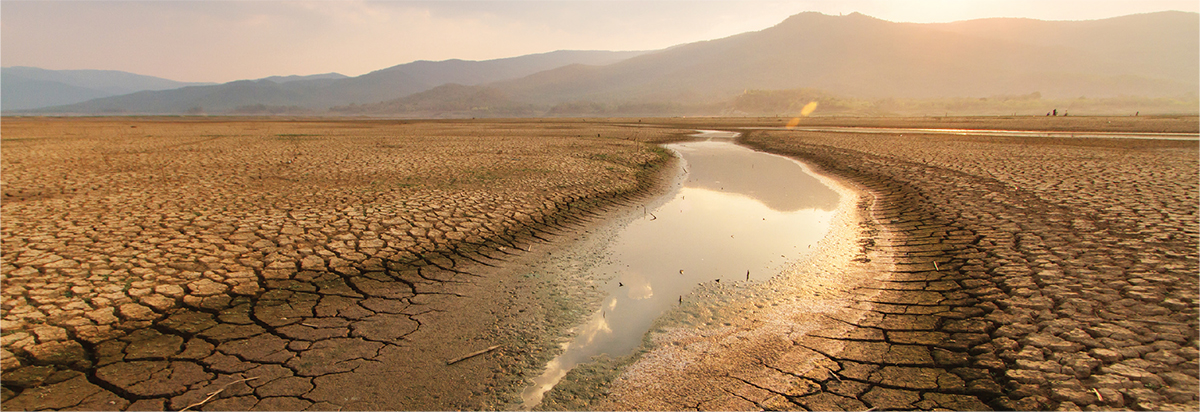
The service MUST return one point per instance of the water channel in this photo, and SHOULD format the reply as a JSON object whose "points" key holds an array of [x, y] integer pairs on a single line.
{"points": [[734, 214]]}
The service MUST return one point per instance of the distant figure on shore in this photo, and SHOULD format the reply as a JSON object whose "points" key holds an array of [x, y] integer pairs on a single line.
{"points": [[1056, 112]]}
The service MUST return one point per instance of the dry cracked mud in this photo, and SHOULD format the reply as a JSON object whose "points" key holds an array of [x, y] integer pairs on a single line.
{"points": [[1068, 267], [312, 264], [222, 264], [989, 273]]}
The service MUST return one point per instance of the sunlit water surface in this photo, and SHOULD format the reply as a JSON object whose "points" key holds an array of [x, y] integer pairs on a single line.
{"points": [[737, 215]]}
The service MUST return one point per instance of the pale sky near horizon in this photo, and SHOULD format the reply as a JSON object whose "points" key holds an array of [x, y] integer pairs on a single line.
{"points": [[220, 41]]}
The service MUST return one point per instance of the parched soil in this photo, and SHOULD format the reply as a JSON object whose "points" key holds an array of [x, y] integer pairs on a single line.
{"points": [[271, 264], [292, 264], [1007, 273]]}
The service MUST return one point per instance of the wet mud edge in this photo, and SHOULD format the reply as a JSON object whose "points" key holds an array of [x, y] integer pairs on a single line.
{"points": [[813, 291], [875, 318]]}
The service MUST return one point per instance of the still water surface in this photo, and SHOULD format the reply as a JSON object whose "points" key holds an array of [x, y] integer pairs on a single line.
{"points": [[736, 215]]}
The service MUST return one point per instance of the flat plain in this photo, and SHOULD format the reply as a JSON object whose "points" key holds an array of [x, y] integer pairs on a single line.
{"points": [[171, 263]]}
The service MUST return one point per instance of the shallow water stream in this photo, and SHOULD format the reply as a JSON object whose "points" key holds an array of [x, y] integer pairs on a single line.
{"points": [[734, 215]]}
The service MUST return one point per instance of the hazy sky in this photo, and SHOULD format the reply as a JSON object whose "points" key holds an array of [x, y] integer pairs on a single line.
{"points": [[220, 41]]}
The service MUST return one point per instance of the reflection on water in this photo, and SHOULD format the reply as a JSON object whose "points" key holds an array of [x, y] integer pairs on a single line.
{"points": [[738, 215], [724, 167]]}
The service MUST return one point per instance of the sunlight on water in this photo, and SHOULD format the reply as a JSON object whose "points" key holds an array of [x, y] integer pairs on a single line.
{"points": [[738, 215]]}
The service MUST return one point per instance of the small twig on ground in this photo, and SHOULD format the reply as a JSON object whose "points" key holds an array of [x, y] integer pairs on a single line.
{"points": [[1101, 398], [935, 267], [213, 394], [832, 373], [472, 354]]}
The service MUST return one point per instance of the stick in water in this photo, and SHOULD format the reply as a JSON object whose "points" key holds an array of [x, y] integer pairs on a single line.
{"points": [[472, 354]]}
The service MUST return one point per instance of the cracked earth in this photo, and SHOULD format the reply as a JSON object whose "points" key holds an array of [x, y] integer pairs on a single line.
{"points": [[989, 273], [290, 265]]}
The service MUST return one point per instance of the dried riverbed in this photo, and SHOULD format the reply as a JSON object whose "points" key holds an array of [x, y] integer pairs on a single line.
{"points": [[733, 215], [971, 272], [1004, 272]]}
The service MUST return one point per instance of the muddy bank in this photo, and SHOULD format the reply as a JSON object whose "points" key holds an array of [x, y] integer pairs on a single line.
{"points": [[703, 355], [734, 216], [851, 325], [855, 326]]}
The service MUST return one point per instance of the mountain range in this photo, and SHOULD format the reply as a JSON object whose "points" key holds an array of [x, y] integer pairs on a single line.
{"points": [[860, 56], [31, 87], [1155, 55], [317, 93]]}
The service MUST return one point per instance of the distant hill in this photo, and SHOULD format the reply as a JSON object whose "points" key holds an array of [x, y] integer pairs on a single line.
{"points": [[448, 100], [1163, 45], [860, 56], [292, 78], [851, 63], [321, 93], [31, 87]]}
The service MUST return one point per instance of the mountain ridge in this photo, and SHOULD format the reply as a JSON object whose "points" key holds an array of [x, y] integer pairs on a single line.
{"points": [[292, 78], [846, 54], [1154, 55], [317, 94]]}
